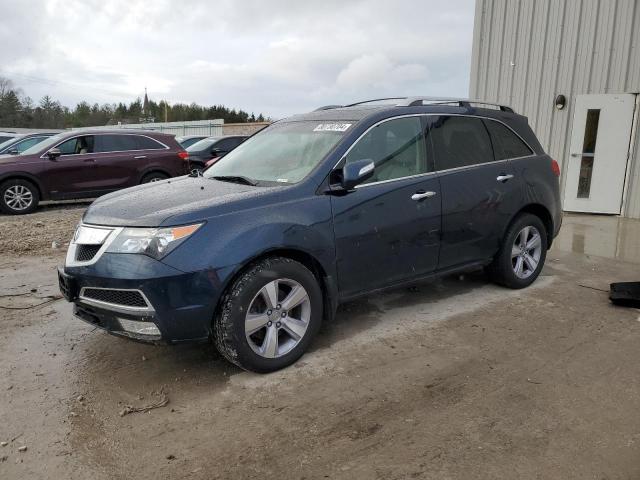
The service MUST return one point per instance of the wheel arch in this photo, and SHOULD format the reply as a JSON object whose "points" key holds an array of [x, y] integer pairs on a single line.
{"points": [[542, 213], [27, 177], [154, 169], [325, 281]]}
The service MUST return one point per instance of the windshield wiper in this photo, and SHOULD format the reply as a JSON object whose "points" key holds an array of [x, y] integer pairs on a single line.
{"points": [[236, 179]]}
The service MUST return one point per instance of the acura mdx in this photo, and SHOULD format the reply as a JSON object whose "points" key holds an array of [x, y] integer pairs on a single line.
{"points": [[314, 210]]}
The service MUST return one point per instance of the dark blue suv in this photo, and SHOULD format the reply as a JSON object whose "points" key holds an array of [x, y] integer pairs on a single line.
{"points": [[314, 210]]}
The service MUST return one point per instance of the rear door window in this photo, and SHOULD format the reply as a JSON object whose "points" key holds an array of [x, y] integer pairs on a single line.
{"points": [[459, 142], [115, 143], [506, 144], [396, 147], [77, 145]]}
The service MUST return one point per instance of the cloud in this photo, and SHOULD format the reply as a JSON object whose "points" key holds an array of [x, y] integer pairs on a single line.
{"points": [[277, 57]]}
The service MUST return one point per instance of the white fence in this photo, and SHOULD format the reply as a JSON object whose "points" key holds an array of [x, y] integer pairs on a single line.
{"points": [[196, 127]]}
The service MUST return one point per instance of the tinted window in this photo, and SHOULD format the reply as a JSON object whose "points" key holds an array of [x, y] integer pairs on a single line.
{"points": [[189, 141], [459, 142], [146, 143], [77, 145], [203, 145], [396, 147], [506, 144], [115, 143], [226, 144]]}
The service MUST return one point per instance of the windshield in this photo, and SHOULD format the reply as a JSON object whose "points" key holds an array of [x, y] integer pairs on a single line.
{"points": [[284, 152], [202, 144], [45, 144]]}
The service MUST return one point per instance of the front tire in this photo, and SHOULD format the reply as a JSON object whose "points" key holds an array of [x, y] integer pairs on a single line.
{"points": [[269, 315], [522, 254], [18, 197]]}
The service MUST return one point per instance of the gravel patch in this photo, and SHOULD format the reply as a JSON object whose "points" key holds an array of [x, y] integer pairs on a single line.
{"points": [[34, 234]]}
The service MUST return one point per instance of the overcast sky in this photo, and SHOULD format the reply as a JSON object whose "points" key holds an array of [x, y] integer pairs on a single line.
{"points": [[277, 57]]}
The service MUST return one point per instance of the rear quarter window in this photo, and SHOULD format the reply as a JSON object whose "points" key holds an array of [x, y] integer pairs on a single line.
{"points": [[506, 144], [147, 143]]}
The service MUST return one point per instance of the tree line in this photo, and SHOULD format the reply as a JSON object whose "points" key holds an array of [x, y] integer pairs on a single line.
{"points": [[20, 111]]}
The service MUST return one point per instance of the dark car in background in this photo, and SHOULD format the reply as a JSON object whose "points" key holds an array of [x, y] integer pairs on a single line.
{"points": [[4, 136], [86, 164], [20, 143], [187, 140], [212, 148], [312, 211]]}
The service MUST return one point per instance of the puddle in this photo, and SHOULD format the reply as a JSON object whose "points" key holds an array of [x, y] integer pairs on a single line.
{"points": [[600, 235]]}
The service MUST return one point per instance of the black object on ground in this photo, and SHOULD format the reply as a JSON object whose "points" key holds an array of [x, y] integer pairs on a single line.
{"points": [[625, 294]]}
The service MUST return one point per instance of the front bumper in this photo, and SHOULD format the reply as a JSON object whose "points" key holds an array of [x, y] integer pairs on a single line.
{"points": [[178, 306]]}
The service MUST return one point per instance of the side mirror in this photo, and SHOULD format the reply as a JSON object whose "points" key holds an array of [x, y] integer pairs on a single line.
{"points": [[13, 151], [54, 153], [357, 172]]}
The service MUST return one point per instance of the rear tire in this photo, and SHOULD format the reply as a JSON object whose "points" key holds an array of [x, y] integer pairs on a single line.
{"points": [[154, 177], [269, 315], [18, 197], [522, 254]]}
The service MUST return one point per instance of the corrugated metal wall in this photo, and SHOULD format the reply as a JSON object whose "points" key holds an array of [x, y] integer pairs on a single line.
{"points": [[525, 52]]}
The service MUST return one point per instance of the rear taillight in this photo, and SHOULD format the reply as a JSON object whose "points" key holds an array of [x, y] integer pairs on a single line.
{"points": [[183, 155], [555, 168]]}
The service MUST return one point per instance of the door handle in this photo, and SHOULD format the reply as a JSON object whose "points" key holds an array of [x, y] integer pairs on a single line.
{"points": [[575, 154], [420, 195], [503, 178], [89, 160], [139, 157]]}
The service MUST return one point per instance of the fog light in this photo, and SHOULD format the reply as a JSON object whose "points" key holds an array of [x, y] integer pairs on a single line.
{"points": [[147, 329]]}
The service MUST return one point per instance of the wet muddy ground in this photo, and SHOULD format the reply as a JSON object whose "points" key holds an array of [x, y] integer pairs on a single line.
{"points": [[455, 378]]}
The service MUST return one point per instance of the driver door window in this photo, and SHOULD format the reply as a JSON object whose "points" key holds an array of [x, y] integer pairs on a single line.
{"points": [[77, 145], [396, 147]]}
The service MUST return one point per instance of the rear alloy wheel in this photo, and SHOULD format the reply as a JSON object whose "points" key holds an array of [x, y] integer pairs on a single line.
{"points": [[269, 315], [522, 254], [18, 197], [526, 252], [154, 177]]}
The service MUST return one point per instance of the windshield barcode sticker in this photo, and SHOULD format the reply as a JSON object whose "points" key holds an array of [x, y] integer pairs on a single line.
{"points": [[332, 127]]}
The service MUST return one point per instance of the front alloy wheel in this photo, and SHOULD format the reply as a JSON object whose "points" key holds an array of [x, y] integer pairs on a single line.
{"points": [[18, 197], [278, 318], [269, 315]]}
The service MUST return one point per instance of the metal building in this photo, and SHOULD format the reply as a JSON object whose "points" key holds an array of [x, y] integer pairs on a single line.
{"points": [[573, 68]]}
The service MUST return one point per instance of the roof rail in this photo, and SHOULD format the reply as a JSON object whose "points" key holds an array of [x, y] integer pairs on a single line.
{"points": [[327, 107], [417, 101], [373, 100], [462, 102]]}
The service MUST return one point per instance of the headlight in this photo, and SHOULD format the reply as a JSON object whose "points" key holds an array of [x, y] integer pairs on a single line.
{"points": [[155, 242]]}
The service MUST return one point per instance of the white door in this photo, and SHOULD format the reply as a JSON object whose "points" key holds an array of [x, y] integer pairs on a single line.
{"points": [[599, 149]]}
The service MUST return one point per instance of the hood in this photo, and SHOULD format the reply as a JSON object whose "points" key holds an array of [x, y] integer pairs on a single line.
{"points": [[173, 202]]}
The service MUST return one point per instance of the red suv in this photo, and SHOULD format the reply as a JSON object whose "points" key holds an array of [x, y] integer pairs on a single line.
{"points": [[86, 164]]}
